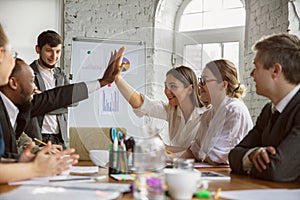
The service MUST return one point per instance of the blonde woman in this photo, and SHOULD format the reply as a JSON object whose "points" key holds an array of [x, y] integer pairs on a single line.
{"points": [[227, 120], [182, 111]]}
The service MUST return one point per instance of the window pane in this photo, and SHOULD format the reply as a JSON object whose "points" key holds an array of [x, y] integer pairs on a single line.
{"points": [[211, 52], [222, 19], [198, 55], [193, 57], [232, 4], [212, 5], [191, 22], [212, 15], [194, 6], [231, 52]]}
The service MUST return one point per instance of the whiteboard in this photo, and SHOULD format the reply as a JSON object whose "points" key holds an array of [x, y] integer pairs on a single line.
{"points": [[107, 107]]}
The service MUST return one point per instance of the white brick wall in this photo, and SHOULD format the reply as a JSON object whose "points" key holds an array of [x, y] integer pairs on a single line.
{"points": [[294, 17], [263, 17]]}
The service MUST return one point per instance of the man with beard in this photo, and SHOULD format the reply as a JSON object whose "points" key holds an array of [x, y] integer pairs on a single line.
{"points": [[53, 125]]}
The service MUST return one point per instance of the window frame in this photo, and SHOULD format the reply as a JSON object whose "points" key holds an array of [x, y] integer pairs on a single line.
{"points": [[221, 35]]}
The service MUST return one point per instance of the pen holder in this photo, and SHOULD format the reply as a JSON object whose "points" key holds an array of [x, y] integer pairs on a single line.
{"points": [[118, 162]]}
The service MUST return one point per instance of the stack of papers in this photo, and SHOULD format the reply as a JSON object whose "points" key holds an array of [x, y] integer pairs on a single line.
{"points": [[83, 170], [64, 177], [206, 165], [45, 180], [210, 175]]}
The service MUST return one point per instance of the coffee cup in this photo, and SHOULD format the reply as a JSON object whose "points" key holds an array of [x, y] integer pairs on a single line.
{"points": [[182, 184]]}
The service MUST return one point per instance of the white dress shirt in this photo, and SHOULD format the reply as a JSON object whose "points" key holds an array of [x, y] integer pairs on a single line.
{"points": [[50, 123], [220, 130], [12, 110]]}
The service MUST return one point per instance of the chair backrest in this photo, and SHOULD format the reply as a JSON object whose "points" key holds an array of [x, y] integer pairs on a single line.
{"points": [[84, 139]]}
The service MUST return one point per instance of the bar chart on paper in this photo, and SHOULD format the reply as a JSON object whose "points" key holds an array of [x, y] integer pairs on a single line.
{"points": [[110, 101]]}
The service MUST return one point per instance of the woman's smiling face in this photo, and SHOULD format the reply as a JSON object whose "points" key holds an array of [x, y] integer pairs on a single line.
{"points": [[175, 90]]}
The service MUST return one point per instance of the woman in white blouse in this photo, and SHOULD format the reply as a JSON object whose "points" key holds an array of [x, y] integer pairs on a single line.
{"points": [[182, 111], [227, 120]]}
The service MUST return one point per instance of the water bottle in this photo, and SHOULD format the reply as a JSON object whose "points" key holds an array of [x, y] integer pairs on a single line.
{"points": [[149, 162]]}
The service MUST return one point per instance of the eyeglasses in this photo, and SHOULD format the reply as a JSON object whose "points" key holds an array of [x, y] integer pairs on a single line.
{"points": [[202, 80], [13, 53]]}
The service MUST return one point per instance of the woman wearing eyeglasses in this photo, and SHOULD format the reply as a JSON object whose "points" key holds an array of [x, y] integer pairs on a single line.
{"points": [[182, 111], [227, 120]]}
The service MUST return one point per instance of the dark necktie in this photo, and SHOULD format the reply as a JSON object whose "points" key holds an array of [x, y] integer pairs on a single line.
{"points": [[274, 117]]}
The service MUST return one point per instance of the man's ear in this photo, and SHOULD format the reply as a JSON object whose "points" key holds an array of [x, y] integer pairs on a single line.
{"points": [[12, 83], [277, 69], [37, 49]]}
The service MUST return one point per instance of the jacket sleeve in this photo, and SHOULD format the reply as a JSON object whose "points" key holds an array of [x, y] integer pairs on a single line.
{"points": [[285, 164], [252, 139], [58, 97]]}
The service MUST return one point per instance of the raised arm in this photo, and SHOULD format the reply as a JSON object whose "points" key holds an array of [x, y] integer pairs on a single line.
{"points": [[133, 97]]}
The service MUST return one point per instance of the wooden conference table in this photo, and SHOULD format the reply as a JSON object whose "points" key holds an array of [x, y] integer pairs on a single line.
{"points": [[237, 182]]}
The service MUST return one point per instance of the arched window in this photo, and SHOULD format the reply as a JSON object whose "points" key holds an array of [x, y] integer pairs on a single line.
{"points": [[208, 30]]}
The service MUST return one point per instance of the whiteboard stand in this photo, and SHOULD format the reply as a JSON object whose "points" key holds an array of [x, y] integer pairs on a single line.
{"points": [[107, 107]]}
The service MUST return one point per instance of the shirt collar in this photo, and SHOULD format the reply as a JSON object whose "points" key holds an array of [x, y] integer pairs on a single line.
{"points": [[45, 71], [12, 110], [283, 103]]}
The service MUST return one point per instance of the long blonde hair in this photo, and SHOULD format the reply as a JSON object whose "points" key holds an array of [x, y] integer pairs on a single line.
{"points": [[3, 37]]}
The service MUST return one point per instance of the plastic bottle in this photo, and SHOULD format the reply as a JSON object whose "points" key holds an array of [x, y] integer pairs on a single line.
{"points": [[149, 162]]}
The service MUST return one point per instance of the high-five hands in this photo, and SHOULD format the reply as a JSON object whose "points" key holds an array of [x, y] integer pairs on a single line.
{"points": [[114, 67]]}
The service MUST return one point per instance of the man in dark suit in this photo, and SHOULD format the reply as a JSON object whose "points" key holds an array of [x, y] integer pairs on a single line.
{"points": [[19, 101], [271, 149]]}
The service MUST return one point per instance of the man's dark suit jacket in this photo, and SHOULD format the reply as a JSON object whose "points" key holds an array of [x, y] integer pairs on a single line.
{"points": [[284, 136], [34, 127], [41, 104]]}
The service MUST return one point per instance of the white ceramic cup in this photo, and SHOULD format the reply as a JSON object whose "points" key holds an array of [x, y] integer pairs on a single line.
{"points": [[182, 184]]}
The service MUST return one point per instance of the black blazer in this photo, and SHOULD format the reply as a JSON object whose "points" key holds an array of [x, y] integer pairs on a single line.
{"points": [[42, 103], [8, 133], [34, 127], [284, 136]]}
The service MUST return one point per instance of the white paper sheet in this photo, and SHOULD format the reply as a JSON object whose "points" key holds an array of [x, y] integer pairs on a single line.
{"points": [[84, 169], [262, 194], [50, 193]]}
